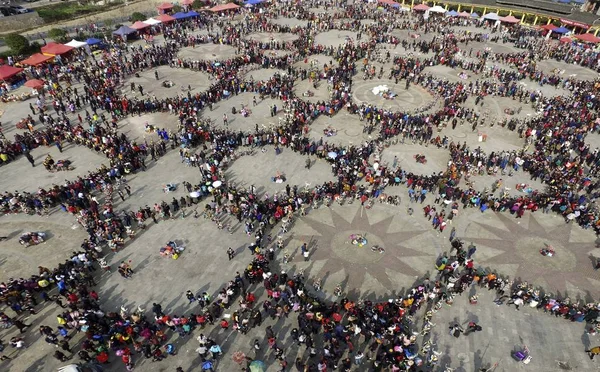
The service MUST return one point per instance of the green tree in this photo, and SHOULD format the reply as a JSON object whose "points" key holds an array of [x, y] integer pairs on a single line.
{"points": [[58, 34], [18, 44], [137, 16], [177, 8], [197, 4]]}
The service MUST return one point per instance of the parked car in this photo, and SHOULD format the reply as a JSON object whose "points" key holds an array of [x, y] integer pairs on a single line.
{"points": [[19, 9], [5, 11]]}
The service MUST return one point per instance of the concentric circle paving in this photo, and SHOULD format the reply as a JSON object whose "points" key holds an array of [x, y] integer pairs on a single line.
{"points": [[412, 99]]}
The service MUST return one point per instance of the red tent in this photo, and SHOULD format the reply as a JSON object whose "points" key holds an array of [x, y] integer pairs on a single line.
{"points": [[165, 18], [7, 71], [421, 7], [388, 2], [139, 25], [464, 14], [565, 39], [588, 38], [510, 19], [36, 59], [549, 27], [187, 2], [165, 6], [219, 8], [55, 49]]}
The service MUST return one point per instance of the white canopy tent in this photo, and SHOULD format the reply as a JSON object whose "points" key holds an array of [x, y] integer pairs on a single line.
{"points": [[492, 16], [76, 44], [152, 21], [437, 9]]}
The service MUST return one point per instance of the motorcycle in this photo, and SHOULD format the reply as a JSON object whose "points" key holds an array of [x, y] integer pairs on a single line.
{"points": [[32, 238], [547, 252], [171, 249], [58, 165], [420, 158]]}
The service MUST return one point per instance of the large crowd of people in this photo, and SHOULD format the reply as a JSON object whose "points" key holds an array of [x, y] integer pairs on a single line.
{"points": [[561, 159]]}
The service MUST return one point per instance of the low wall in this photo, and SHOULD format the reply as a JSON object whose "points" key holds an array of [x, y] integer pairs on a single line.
{"points": [[19, 22]]}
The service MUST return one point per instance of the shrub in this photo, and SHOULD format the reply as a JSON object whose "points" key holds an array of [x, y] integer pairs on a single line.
{"points": [[18, 44], [58, 34], [137, 16]]}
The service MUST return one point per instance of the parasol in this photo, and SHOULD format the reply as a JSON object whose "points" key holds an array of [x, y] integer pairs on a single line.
{"points": [[34, 83], [332, 154], [217, 184], [238, 357], [207, 365], [257, 366], [195, 194], [320, 148]]}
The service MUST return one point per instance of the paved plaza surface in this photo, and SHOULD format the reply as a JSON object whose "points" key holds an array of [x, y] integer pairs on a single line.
{"points": [[505, 245]]}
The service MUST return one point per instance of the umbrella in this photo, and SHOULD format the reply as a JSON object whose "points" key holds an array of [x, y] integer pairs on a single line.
{"points": [[217, 184], [332, 154], [207, 366], [34, 83], [195, 194], [238, 357], [257, 366], [320, 148]]}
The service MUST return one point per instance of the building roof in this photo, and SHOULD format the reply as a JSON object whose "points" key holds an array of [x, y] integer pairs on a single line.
{"points": [[542, 7]]}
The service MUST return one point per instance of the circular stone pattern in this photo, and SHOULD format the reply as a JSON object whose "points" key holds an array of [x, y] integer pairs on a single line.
{"points": [[265, 37], [529, 249], [410, 99], [345, 250]]}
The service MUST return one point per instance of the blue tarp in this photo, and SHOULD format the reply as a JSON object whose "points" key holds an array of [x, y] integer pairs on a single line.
{"points": [[452, 13], [561, 30], [93, 41], [180, 15], [191, 13], [124, 31], [253, 2]]}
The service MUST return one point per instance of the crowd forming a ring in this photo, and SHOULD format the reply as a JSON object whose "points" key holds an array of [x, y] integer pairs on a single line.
{"points": [[555, 152]]}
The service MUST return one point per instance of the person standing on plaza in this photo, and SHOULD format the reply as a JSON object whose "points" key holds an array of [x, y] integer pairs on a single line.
{"points": [[29, 158], [456, 330], [190, 296], [304, 250]]}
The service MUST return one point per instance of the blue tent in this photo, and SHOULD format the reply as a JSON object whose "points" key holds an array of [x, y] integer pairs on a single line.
{"points": [[93, 41], [180, 15], [191, 14], [124, 31], [564, 1], [452, 13], [561, 30], [253, 2], [474, 15]]}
